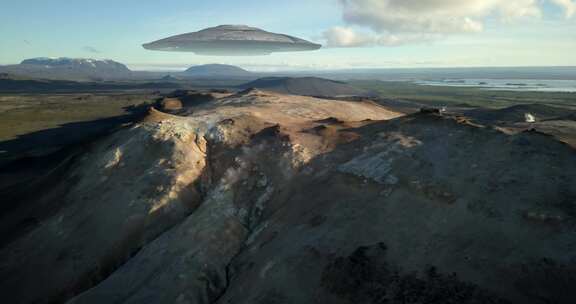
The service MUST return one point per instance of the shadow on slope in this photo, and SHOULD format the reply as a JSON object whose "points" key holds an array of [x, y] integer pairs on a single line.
{"points": [[44, 142], [34, 163]]}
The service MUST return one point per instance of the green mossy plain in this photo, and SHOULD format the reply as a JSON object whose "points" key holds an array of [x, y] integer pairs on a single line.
{"points": [[460, 96]]}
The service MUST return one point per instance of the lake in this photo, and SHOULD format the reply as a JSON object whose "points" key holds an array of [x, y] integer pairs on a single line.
{"points": [[535, 85]]}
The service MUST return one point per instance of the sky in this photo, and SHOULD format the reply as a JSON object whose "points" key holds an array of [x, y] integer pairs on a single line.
{"points": [[355, 33]]}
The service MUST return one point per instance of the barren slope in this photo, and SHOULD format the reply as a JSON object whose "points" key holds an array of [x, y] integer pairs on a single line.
{"points": [[267, 198]]}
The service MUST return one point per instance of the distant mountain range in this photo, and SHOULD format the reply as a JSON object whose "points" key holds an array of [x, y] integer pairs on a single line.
{"points": [[82, 69], [66, 74], [69, 68], [309, 86]]}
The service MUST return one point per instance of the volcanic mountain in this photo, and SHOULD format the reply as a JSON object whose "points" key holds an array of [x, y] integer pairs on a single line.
{"points": [[216, 70], [308, 86], [261, 197]]}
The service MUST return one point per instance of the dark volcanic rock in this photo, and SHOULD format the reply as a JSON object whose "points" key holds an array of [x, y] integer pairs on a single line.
{"points": [[516, 113], [366, 277]]}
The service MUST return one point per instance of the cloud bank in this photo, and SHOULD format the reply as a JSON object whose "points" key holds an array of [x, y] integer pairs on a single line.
{"points": [[398, 22], [569, 7]]}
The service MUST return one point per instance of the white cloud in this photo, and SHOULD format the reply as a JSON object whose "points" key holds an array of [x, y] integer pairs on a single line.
{"points": [[396, 22], [568, 6], [348, 37]]}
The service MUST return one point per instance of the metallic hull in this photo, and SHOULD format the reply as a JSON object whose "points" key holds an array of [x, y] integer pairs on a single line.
{"points": [[228, 41]]}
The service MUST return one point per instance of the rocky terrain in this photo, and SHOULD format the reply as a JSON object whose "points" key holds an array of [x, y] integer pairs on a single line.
{"points": [[555, 121], [261, 197]]}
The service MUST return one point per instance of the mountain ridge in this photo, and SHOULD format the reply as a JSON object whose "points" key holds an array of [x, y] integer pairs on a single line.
{"points": [[307, 86], [214, 69], [65, 68]]}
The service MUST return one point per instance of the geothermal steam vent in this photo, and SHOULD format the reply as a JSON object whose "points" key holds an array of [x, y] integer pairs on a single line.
{"points": [[232, 40]]}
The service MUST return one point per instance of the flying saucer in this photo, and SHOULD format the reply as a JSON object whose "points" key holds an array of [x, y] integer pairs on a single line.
{"points": [[232, 40]]}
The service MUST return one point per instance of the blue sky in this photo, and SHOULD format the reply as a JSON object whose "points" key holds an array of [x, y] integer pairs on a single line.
{"points": [[116, 29]]}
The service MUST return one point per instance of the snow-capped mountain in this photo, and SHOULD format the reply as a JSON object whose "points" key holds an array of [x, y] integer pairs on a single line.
{"points": [[77, 63], [69, 68]]}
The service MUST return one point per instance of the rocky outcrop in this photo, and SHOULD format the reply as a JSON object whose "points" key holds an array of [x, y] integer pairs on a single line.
{"points": [[122, 194], [445, 223], [170, 104]]}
